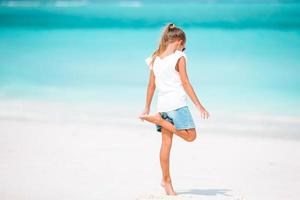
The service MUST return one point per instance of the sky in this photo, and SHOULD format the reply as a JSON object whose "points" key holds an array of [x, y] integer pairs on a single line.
{"points": [[84, 2]]}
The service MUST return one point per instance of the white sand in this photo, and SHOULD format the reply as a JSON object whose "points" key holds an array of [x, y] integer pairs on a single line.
{"points": [[71, 151]]}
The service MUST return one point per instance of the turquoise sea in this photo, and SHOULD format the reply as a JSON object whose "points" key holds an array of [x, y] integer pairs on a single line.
{"points": [[241, 57]]}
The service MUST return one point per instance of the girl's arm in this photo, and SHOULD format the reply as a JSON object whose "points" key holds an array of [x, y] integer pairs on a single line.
{"points": [[187, 85], [150, 90]]}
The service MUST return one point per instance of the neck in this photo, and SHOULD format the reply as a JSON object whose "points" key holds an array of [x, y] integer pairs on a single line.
{"points": [[170, 49]]}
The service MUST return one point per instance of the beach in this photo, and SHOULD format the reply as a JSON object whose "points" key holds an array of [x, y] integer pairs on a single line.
{"points": [[73, 82], [55, 150]]}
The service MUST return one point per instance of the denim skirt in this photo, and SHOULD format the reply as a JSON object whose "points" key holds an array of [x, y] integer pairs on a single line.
{"points": [[181, 118]]}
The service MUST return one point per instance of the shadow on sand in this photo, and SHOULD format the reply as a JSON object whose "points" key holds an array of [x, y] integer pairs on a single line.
{"points": [[191, 194], [206, 192]]}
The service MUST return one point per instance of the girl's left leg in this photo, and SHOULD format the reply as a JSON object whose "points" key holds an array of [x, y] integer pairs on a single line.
{"points": [[166, 145]]}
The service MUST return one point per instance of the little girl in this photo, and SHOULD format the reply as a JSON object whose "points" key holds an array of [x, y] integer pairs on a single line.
{"points": [[168, 74]]}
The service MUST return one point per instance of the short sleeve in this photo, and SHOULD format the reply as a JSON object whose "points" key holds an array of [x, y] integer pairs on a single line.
{"points": [[148, 60], [179, 54]]}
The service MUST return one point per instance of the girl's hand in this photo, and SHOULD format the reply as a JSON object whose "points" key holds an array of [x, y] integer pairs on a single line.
{"points": [[145, 112], [204, 113]]}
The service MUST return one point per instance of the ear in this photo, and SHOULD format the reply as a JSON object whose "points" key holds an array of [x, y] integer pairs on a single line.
{"points": [[181, 42]]}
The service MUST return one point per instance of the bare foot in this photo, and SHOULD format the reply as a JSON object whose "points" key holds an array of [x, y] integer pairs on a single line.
{"points": [[156, 118], [168, 188]]}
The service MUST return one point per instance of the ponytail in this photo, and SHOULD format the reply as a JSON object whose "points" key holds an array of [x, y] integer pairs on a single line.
{"points": [[163, 41]]}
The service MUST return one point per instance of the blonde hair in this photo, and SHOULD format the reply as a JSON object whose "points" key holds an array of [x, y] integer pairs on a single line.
{"points": [[170, 34]]}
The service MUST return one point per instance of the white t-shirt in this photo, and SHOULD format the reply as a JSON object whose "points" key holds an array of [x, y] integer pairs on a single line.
{"points": [[171, 94]]}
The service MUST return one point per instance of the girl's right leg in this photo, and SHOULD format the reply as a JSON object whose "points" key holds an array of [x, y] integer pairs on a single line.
{"points": [[188, 135]]}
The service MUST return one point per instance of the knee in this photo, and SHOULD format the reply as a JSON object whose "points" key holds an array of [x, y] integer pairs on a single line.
{"points": [[191, 137], [166, 144]]}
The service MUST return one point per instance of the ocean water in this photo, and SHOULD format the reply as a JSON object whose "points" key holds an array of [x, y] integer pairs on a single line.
{"points": [[241, 58]]}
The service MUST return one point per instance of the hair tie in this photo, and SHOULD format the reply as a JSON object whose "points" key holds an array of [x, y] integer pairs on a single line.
{"points": [[172, 26]]}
